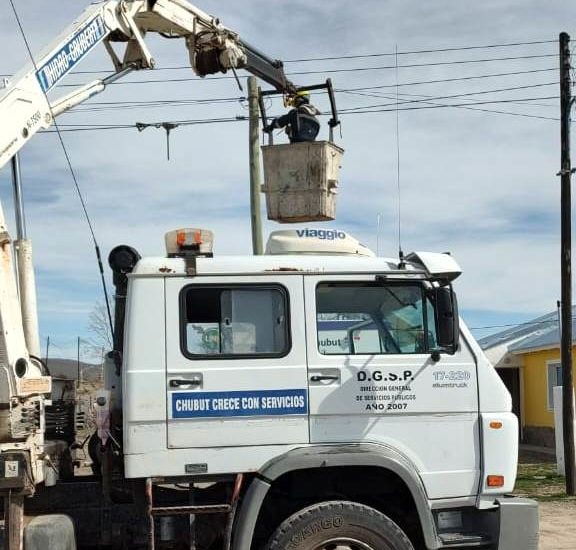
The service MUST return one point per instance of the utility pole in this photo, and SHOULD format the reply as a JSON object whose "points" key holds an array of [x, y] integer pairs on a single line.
{"points": [[566, 266], [255, 175]]}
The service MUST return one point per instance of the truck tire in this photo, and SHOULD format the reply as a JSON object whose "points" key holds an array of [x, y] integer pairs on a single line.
{"points": [[339, 525]]}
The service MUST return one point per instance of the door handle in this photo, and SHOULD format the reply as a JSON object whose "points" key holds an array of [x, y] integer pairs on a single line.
{"points": [[180, 383], [326, 378]]}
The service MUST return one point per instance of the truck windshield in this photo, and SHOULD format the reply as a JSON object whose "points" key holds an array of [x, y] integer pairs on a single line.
{"points": [[373, 319]]}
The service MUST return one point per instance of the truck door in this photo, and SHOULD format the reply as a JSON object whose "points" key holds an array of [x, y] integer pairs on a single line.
{"points": [[235, 361], [372, 379]]}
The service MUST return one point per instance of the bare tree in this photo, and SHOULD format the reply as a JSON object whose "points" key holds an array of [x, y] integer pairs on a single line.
{"points": [[99, 327]]}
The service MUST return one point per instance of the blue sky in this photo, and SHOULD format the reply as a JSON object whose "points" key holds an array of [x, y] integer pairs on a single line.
{"points": [[477, 183]]}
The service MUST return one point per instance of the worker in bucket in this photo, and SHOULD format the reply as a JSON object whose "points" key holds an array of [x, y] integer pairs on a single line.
{"points": [[300, 122]]}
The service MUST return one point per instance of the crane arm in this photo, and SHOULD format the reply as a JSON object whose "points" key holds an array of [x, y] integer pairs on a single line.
{"points": [[26, 108]]}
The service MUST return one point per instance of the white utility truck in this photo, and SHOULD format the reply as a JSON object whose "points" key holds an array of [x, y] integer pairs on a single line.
{"points": [[314, 398], [336, 393]]}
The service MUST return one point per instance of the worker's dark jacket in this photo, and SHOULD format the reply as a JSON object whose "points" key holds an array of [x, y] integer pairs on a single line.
{"points": [[301, 123]]}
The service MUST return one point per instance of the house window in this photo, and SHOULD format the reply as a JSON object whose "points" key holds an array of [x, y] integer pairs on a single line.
{"points": [[227, 322], [554, 379]]}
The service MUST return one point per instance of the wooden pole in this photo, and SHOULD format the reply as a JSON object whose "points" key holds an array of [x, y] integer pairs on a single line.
{"points": [[566, 266]]}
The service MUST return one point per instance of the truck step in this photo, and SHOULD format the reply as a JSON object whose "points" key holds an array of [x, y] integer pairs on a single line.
{"points": [[228, 509], [464, 540]]}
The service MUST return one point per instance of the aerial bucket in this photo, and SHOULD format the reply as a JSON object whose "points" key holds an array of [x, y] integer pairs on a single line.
{"points": [[301, 181]]}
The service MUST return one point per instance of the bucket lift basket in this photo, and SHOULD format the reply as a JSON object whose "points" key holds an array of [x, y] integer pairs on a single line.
{"points": [[302, 179]]}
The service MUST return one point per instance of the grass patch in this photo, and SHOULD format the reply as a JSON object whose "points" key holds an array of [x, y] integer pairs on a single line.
{"points": [[541, 482]]}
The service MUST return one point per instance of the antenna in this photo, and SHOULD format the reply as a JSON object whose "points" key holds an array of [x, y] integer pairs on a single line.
{"points": [[378, 232], [402, 264]]}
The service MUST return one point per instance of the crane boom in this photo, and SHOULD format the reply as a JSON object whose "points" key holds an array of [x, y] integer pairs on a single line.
{"points": [[26, 108]]}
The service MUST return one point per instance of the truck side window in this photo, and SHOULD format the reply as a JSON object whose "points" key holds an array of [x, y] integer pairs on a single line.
{"points": [[238, 321], [374, 319]]}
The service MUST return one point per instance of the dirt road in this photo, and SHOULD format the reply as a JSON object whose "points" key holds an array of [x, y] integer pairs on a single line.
{"points": [[557, 526]]}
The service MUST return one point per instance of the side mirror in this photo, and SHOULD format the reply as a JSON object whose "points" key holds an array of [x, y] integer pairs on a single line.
{"points": [[447, 320]]}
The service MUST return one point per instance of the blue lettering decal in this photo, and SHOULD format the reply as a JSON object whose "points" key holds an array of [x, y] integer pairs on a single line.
{"points": [[64, 60], [239, 403]]}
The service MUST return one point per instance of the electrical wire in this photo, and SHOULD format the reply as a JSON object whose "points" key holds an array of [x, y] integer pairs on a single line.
{"points": [[526, 324], [327, 71], [120, 105], [431, 97], [433, 64], [357, 56], [71, 170], [430, 100], [415, 52], [443, 80], [97, 127], [423, 107], [239, 118], [467, 94], [409, 96]]}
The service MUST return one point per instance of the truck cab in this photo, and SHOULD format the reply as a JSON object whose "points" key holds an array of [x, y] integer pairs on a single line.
{"points": [[340, 385]]}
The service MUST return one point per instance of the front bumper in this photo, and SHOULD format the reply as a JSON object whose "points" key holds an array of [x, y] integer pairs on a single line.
{"points": [[518, 524], [506, 523]]}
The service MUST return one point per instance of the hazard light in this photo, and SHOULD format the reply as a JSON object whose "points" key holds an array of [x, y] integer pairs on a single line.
{"points": [[495, 481], [189, 242]]}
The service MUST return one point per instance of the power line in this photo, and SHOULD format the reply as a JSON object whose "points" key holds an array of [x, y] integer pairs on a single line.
{"points": [[415, 52], [433, 64], [119, 105], [430, 100], [407, 95], [443, 80], [526, 324], [356, 56], [241, 118], [98, 127], [335, 71], [467, 94], [422, 107]]}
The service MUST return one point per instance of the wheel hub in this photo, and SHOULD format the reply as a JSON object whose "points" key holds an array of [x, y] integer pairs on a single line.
{"points": [[343, 544]]}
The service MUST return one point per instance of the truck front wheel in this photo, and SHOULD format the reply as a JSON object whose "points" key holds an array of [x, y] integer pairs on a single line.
{"points": [[339, 525]]}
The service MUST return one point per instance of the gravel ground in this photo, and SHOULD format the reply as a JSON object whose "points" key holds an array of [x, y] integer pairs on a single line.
{"points": [[537, 479], [558, 525]]}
